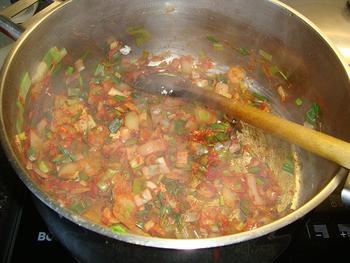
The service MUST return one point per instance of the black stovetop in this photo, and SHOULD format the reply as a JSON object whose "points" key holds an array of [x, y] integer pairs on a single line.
{"points": [[25, 236]]}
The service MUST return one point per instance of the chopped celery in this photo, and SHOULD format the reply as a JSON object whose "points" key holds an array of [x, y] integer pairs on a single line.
{"points": [[119, 229], [24, 87], [265, 55], [115, 125], [43, 166], [61, 159]]}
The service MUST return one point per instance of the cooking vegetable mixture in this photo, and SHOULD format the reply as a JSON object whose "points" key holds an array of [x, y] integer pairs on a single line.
{"points": [[141, 163]]}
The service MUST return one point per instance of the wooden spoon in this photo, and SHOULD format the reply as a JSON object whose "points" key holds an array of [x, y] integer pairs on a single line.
{"points": [[319, 143]]}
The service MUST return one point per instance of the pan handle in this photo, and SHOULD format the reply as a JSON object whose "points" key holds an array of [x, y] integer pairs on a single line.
{"points": [[345, 193], [13, 30]]}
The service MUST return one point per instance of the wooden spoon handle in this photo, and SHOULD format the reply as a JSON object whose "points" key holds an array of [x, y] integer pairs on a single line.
{"points": [[324, 145]]}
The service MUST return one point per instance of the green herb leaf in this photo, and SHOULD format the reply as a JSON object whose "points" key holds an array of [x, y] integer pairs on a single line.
{"points": [[119, 98], [265, 55]]}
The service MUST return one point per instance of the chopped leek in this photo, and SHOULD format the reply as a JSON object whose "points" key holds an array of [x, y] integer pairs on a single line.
{"points": [[265, 55], [74, 92], [139, 34], [24, 87], [100, 70], [243, 51], [274, 70], [254, 169], [66, 153], [119, 229], [20, 118], [218, 46], [31, 154], [222, 126], [212, 39], [69, 70], [260, 97], [137, 185], [43, 167], [313, 114], [288, 167], [298, 102], [179, 126]]}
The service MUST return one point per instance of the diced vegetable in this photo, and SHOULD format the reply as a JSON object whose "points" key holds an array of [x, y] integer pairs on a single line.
{"points": [[43, 166], [100, 70], [115, 125], [137, 185], [24, 87], [31, 154], [265, 55], [140, 35], [212, 39], [69, 70], [179, 126], [313, 114], [119, 229], [218, 46], [244, 51], [298, 102], [288, 167], [66, 153], [132, 121]]}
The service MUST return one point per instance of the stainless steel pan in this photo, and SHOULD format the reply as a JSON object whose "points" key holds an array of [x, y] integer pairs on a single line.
{"points": [[315, 71]]}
